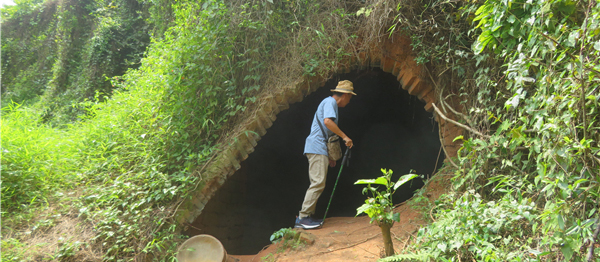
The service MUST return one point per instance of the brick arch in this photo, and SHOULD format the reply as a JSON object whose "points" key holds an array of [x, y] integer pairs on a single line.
{"points": [[394, 55]]}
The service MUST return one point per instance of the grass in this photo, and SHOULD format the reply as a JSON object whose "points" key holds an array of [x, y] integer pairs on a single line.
{"points": [[36, 159], [106, 171]]}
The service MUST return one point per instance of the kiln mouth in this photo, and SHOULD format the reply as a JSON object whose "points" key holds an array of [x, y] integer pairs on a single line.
{"points": [[390, 129]]}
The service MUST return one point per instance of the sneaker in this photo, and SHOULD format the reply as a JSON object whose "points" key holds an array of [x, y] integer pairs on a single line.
{"points": [[320, 221], [297, 225], [306, 223]]}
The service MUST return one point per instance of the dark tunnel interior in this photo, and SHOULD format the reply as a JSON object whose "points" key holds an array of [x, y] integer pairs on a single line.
{"points": [[390, 129]]}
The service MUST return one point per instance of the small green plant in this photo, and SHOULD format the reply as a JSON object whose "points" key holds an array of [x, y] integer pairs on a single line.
{"points": [[282, 234], [380, 207], [68, 249], [289, 238], [268, 258]]}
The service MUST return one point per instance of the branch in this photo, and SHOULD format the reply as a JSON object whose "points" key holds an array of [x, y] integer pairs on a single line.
{"points": [[457, 123], [595, 158], [443, 147], [445, 104], [457, 113], [590, 253], [437, 88], [443, 116], [431, 215]]}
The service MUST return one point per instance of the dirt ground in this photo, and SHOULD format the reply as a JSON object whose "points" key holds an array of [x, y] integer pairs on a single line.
{"points": [[352, 238]]}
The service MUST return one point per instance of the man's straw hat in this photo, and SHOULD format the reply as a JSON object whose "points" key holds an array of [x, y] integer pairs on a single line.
{"points": [[344, 86]]}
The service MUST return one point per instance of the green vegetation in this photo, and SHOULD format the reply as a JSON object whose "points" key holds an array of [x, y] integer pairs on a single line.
{"points": [[110, 109], [380, 207], [288, 239], [66, 52], [36, 158], [105, 138], [487, 228], [526, 188], [281, 234]]}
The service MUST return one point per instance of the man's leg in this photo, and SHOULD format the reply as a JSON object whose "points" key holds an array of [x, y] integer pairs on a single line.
{"points": [[317, 172]]}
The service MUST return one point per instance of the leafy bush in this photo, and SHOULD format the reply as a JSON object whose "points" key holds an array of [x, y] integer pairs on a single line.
{"points": [[528, 79], [473, 229]]}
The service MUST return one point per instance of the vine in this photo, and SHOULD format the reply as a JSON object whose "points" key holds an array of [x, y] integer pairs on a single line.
{"points": [[531, 122]]}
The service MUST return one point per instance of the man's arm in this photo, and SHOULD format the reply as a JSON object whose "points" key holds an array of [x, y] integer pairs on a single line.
{"points": [[331, 125]]}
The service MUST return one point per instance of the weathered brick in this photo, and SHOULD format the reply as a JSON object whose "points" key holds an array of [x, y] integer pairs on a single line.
{"points": [[387, 64]]}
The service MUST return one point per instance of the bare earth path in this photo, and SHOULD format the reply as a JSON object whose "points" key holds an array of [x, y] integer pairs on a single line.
{"points": [[350, 238]]}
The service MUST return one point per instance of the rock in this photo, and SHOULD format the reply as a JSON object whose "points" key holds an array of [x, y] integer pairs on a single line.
{"points": [[307, 238]]}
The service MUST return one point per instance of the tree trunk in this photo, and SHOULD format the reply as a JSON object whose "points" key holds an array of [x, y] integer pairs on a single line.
{"points": [[387, 239]]}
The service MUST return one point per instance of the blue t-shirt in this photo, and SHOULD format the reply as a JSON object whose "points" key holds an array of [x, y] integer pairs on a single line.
{"points": [[316, 142]]}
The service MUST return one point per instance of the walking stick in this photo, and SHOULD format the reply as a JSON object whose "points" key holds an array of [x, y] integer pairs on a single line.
{"points": [[346, 158]]}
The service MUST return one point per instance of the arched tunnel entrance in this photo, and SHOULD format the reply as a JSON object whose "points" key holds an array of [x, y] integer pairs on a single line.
{"points": [[390, 129]]}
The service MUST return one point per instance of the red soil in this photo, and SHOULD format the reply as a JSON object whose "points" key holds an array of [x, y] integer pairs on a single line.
{"points": [[352, 238]]}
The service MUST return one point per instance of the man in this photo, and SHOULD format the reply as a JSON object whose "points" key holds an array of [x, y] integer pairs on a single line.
{"points": [[324, 124]]}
